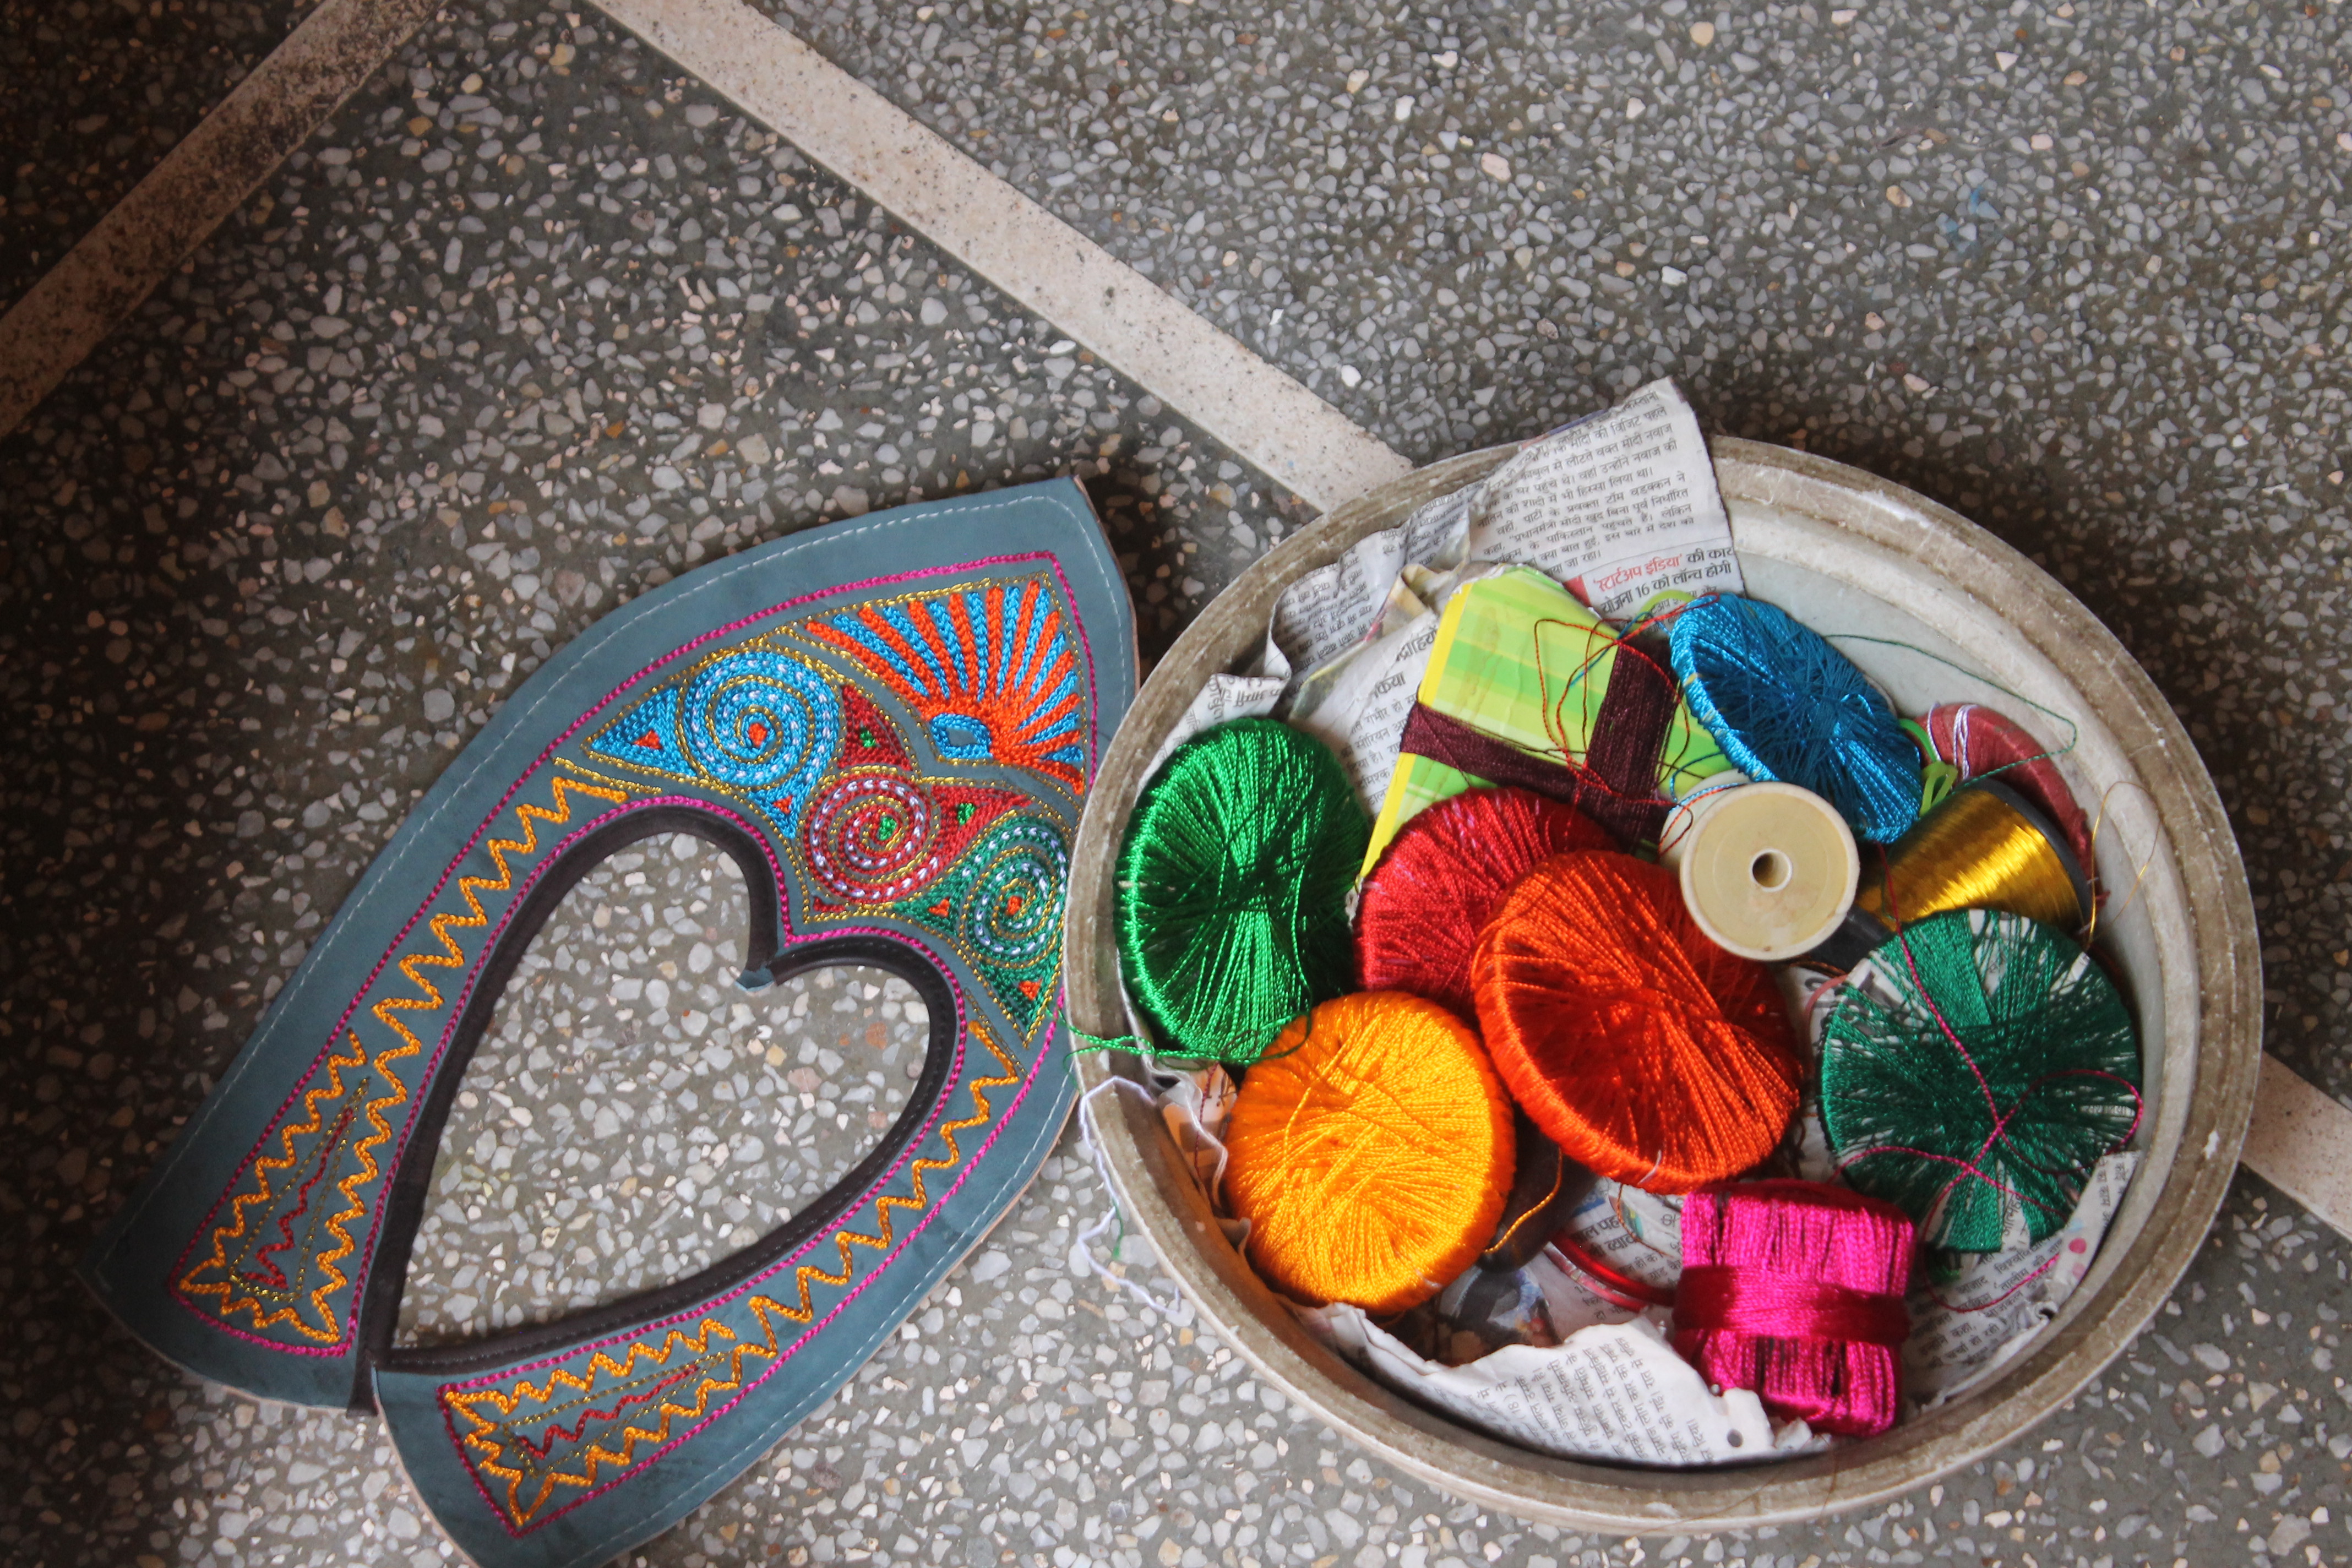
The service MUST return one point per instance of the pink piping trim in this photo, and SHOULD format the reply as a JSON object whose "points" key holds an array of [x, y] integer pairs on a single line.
{"points": [[424, 1084], [456, 1007], [781, 1356]]}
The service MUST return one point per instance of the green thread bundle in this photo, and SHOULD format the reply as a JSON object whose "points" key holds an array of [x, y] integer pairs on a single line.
{"points": [[1973, 1071], [1233, 888]]}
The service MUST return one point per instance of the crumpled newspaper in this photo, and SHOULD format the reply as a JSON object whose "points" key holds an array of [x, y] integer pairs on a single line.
{"points": [[1591, 1375], [1612, 1391]]}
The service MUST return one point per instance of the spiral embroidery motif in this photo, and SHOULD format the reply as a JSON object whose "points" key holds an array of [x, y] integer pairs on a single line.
{"points": [[1012, 914], [760, 721], [870, 838]]}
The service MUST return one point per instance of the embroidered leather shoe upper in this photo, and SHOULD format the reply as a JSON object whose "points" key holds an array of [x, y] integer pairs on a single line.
{"points": [[890, 724]]}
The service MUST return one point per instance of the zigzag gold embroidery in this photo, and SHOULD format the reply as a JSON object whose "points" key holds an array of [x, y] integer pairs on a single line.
{"points": [[581, 770], [487, 1441], [882, 1208], [329, 1328], [193, 1284], [354, 1205], [454, 956], [601, 1365]]}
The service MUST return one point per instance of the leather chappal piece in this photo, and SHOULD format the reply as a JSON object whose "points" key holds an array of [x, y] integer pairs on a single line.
{"points": [[889, 724]]}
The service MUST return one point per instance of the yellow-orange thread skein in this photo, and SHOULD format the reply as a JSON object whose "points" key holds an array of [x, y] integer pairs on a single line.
{"points": [[1371, 1151]]}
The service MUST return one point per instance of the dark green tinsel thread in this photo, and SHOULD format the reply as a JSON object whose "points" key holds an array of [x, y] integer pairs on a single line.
{"points": [[1232, 889], [1907, 1117]]}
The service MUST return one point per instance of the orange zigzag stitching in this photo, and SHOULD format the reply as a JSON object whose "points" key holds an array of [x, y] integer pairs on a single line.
{"points": [[380, 1130], [364, 1150], [597, 1455], [482, 1440], [602, 1366], [453, 957], [332, 1089], [442, 924], [918, 1202]]}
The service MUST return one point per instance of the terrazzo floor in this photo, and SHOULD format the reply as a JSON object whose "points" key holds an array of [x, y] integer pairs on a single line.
{"points": [[92, 94], [534, 323]]}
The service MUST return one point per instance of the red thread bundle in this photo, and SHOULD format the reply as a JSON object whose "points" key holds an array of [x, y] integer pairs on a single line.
{"points": [[1642, 1049], [1424, 904], [1981, 742], [1795, 1289]]}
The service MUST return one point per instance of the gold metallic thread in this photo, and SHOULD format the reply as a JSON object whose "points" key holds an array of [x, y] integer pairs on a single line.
{"points": [[1974, 851]]}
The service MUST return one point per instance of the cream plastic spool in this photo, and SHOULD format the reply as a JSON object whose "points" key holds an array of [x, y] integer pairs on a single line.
{"points": [[1844, 551], [1768, 870]]}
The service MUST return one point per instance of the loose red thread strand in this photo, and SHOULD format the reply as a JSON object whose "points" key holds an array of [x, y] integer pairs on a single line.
{"points": [[1626, 734], [2052, 1262], [1608, 1283]]}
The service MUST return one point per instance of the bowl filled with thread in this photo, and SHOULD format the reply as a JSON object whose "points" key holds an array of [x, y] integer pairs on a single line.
{"points": [[2064, 909]]}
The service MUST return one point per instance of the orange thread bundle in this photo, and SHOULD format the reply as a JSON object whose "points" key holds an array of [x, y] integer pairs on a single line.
{"points": [[1639, 1047], [1370, 1150]]}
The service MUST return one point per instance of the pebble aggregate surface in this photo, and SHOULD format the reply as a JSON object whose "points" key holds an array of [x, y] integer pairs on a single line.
{"points": [[534, 323], [92, 94], [624, 1029]]}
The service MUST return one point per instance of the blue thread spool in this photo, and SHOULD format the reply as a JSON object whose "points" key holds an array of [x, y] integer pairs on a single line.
{"points": [[1785, 705]]}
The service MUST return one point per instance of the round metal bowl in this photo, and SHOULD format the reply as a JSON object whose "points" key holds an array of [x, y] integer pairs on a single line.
{"points": [[1844, 552]]}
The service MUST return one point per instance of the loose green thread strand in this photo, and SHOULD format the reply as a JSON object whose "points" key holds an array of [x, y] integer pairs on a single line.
{"points": [[1232, 889], [1095, 1045], [1938, 778], [1937, 788], [1087, 1045], [2074, 731]]}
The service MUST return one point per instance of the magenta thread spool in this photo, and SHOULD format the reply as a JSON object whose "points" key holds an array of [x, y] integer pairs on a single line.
{"points": [[1795, 1289]]}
